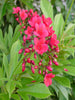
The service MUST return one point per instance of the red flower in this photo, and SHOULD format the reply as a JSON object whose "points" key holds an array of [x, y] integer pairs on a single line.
{"points": [[16, 10], [48, 80], [53, 40], [34, 20], [50, 30], [40, 46], [41, 30], [46, 21], [23, 14], [29, 31]]}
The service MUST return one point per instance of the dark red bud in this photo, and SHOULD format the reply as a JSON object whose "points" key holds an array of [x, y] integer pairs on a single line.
{"points": [[23, 68], [32, 62], [39, 71], [49, 68], [24, 38], [32, 69], [55, 56], [31, 45], [27, 50], [20, 51], [35, 56], [36, 67], [55, 62], [28, 60], [40, 63]]}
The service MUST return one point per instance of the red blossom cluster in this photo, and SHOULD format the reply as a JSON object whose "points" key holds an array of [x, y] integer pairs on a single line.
{"points": [[40, 34]]}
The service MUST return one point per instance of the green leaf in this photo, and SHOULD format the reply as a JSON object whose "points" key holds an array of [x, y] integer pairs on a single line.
{"points": [[16, 34], [25, 81], [61, 97], [15, 96], [58, 24], [69, 37], [70, 50], [71, 70], [4, 96], [46, 8], [14, 56], [6, 65], [10, 86], [2, 44], [36, 90], [26, 75], [23, 96], [6, 39], [1, 77], [63, 81], [2, 2], [28, 3], [4, 9], [69, 29], [55, 88], [72, 62], [72, 42], [10, 33], [63, 91]]}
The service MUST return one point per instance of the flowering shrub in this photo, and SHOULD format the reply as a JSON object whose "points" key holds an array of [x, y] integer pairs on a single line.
{"points": [[43, 40], [31, 66]]}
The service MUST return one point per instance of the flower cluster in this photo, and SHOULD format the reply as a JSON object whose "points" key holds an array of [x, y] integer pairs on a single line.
{"points": [[43, 40]]}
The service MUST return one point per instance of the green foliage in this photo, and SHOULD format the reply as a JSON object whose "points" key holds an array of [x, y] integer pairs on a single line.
{"points": [[46, 8], [10, 86], [63, 81], [58, 24], [2, 43], [34, 90], [28, 3], [4, 96], [1, 76], [18, 85], [14, 51], [6, 65]]}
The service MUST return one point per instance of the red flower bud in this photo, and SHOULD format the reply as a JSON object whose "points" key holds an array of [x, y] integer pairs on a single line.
{"points": [[49, 68], [24, 38], [65, 69], [39, 71], [32, 69], [27, 50], [41, 60], [20, 51], [35, 56], [55, 62], [23, 68], [40, 63], [56, 49], [32, 62], [28, 60], [35, 67], [55, 56], [23, 64], [31, 45], [32, 50]]}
